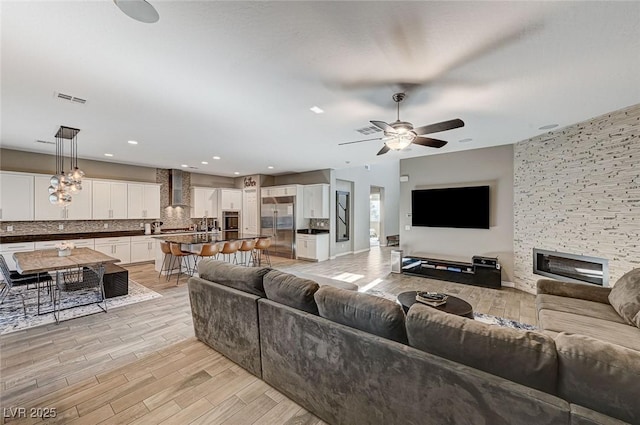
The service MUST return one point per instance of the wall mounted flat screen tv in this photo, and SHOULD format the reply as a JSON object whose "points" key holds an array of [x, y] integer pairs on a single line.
{"points": [[459, 207]]}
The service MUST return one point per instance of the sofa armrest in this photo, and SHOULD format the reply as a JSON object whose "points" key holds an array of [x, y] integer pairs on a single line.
{"points": [[573, 290]]}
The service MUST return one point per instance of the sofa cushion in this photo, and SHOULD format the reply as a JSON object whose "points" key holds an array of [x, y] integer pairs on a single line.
{"points": [[578, 306], [362, 311], [291, 290], [526, 357], [625, 296], [247, 279], [605, 330], [605, 377]]}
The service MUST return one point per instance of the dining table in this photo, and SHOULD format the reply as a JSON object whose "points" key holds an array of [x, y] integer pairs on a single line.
{"points": [[79, 268]]}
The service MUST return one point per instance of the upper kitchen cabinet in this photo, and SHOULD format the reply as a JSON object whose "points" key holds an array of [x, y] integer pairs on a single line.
{"points": [[204, 202], [279, 191], [109, 200], [78, 209], [16, 196], [143, 200], [230, 199], [316, 201]]}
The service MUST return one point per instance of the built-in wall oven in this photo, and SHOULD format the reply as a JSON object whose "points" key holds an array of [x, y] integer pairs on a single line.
{"points": [[230, 224]]}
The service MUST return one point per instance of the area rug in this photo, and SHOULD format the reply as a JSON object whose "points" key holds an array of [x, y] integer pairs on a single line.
{"points": [[480, 317], [12, 317]]}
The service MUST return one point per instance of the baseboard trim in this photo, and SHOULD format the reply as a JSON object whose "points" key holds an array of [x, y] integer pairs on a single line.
{"points": [[343, 253], [362, 250], [508, 284]]}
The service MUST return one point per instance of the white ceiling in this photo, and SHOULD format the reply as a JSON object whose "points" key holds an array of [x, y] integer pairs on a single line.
{"points": [[237, 79]]}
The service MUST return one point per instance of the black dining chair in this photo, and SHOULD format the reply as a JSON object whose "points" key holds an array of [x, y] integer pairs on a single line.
{"points": [[13, 278]]}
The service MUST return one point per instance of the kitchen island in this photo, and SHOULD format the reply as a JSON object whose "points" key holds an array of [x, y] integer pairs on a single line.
{"points": [[192, 242]]}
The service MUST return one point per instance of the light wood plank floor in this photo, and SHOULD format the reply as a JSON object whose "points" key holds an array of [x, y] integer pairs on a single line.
{"points": [[141, 364]]}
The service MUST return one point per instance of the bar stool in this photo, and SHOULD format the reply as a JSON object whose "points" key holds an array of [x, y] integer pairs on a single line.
{"points": [[179, 254], [167, 259], [231, 247], [248, 246], [207, 250], [262, 248]]}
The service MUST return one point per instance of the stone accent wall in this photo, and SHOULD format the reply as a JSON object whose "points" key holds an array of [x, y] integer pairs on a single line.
{"points": [[577, 190], [174, 217]]}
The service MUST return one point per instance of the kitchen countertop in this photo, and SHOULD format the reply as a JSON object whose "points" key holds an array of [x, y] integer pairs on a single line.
{"points": [[312, 231], [202, 237], [83, 235]]}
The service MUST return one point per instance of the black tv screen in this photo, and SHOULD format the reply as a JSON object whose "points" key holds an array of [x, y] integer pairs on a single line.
{"points": [[460, 207]]}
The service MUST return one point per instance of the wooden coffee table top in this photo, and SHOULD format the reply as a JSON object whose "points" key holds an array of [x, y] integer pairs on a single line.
{"points": [[454, 305]]}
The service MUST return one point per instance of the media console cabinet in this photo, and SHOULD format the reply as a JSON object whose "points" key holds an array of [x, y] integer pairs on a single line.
{"points": [[454, 271]]}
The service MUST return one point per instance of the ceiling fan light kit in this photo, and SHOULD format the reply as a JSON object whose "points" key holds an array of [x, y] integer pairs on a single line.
{"points": [[400, 134], [140, 10]]}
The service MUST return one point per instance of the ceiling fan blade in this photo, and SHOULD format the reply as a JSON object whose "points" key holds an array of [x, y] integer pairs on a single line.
{"points": [[384, 150], [427, 141], [437, 127], [359, 141], [383, 126]]}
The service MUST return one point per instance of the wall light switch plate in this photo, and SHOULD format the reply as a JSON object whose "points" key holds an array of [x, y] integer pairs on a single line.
{"points": [[407, 227], [141, 224], [404, 179], [60, 226], [106, 225], [9, 228]]}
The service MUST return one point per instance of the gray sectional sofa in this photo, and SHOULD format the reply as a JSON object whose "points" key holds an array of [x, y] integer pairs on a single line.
{"points": [[353, 358]]}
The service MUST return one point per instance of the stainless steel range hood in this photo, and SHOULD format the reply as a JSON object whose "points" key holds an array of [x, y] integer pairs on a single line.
{"points": [[176, 193]]}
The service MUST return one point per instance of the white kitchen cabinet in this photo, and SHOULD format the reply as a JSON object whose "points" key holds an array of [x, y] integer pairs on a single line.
{"points": [[230, 199], [109, 200], [8, 249], [312, 247], [78, 209], [16, 196], [142, 249], [204, 202], [279, 191], [77, 243], [250, 211], [115, 247], [316, 201], [143, 200]]}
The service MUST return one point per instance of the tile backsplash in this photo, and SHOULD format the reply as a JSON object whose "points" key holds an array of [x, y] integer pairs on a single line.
{"points": [[80, 226], [319, 223]]}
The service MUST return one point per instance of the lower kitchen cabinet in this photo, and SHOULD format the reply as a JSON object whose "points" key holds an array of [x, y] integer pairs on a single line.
{"points": [[142, 249], [312, 247], [115, 247], [8, 249]]}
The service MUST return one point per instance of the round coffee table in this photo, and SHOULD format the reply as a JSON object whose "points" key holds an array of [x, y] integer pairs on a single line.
{"points": [[454, 305]]}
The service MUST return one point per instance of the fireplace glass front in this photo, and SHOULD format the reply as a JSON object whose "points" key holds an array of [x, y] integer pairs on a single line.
{"points": [[571, 267]]}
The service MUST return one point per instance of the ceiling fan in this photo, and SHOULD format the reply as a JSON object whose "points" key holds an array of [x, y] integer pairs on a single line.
{"points": [[400, 134]]}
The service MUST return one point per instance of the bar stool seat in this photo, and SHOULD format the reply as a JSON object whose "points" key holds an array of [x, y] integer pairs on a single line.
{"points": [[262, 250], [231, 247], [248, 246], [179, 254], [207, 251]]}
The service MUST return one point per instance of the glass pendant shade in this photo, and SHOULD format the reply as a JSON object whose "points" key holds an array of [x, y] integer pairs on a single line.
{"points": [[64, 184]]}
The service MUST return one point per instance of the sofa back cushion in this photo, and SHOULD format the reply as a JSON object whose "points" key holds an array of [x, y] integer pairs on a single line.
{"points": [[366, 312], [625, 296], [247, 279], [526, 357], [291, 290], [602, 376]]}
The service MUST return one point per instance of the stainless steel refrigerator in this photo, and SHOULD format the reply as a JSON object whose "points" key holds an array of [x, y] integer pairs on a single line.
{"points": [[277, 220]]}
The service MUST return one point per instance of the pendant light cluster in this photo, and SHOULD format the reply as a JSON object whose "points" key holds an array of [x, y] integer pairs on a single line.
{"points": [[65, 184]]}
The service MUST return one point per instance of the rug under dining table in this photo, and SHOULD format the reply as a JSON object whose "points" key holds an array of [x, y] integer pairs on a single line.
{"points": [[12, 317]]}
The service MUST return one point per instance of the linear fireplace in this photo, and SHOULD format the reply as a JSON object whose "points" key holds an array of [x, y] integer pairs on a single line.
{"points": [[571, 267]]}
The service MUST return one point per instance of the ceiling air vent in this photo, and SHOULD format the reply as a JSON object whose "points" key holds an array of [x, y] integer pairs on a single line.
{"points": [[45, 142], [70, 98], [372, 129]]}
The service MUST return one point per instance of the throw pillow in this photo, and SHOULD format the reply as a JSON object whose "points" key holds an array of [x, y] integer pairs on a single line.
{"points": [[625, 296], [291, 290]]}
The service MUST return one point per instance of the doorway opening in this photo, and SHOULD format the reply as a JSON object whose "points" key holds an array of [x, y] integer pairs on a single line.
{"points": [[376, 209]]}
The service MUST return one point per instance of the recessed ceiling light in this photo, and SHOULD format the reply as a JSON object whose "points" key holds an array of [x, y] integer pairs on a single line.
{"points": [[184, 165], [347, 162], [216, 157], [465, 140], [236, 172], [270, 167], [548, 127], [108, 154], [316, 110], [204, 162], [132, 142]]}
